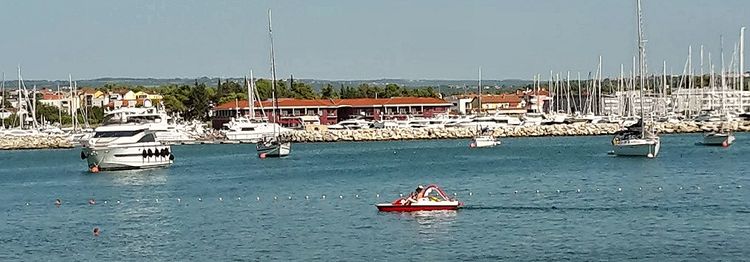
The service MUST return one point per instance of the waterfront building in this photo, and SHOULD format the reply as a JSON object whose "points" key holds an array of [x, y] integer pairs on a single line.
{"points": [[330, 111]]}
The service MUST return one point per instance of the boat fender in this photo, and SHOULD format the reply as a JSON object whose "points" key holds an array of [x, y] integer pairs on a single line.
{"points": [[144, 154], [171, 157], [150, 153], [163, 152], [615, 140], [156, 152], [166, 151], [83, 155]]}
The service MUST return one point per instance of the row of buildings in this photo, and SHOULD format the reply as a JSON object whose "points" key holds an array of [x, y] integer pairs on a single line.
{"points": [[85, 97], [294, 112]]}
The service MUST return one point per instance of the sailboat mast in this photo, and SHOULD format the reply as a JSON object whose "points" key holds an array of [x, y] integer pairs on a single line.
{"points": [[2, 101], [273, 74], [251, 95], [479, 98], [641, 62], [742, 68]]}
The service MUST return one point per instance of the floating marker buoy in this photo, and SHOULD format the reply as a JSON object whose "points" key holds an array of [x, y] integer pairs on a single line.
{"points": [[341, 197], [356, 196], [94, 169], [578, 190], [719, 187], [118, 201], [221, 199], [619, 189], [724, 144], [178, 200], [537, 191], [157, 201], [275, 198], [597, 189], [324, 196], [105, 201], [257, 198], [558, 191], [454, 194], [307, 197], [699, 188], [659, 188], [290, 198], [739, 186], [400, 195], [199, 199], [262, 155], [470, 193], [377, 195], [515, 192], [137, 200], [27, 203], [680, 188], [640, 188]]}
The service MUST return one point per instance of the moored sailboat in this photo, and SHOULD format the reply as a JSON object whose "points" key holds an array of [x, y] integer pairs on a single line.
{"points": [[638, 140], [273, 146]]}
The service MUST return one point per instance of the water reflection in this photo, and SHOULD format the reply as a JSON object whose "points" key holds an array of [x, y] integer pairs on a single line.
{"points": [[432, 222], [144, 177]]}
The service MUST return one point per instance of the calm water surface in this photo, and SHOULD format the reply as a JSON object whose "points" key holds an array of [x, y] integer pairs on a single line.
{"points": [[221, 203]]}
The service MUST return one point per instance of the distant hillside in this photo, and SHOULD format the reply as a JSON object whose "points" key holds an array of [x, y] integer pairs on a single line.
{"points": [[316, 83]]}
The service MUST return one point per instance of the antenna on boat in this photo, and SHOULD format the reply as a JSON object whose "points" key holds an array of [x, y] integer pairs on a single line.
{"points": [[641, 63], [274, 99]]}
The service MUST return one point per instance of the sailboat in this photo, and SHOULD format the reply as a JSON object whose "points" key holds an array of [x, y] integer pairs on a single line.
{"points": [[273, 146], [638, 140], [484, 137], [723, 137]]}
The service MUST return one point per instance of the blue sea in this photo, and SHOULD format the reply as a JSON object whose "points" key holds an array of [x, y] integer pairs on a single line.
{"points": [[530, 199]]}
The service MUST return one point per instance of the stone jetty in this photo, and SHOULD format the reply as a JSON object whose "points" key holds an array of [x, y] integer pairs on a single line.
{"points": [[580, 129], [34, 142]]}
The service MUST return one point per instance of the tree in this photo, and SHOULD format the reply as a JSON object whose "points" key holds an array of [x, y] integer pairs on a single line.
{"points": [[328, 92], [303, 91], [197, 105]]}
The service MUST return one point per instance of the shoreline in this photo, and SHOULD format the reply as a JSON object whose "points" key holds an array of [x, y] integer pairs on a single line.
{"points": [[400, 134]]}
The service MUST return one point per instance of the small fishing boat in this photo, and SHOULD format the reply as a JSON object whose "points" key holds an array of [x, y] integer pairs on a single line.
{"points": [[428, 198], [721, 138]]}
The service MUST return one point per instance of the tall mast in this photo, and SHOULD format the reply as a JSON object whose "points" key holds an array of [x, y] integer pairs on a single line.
{"points": [[273, 74], [59, 108], [723, 76], [641, 62], [742, 68], [2, 101], [479, 98], [251, 95], [73, 118]]}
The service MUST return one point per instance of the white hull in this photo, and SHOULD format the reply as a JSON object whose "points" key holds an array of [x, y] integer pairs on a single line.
{"points": [[638, 147], [124, 157], [173, 136], [276, 150], [718, 139], [484, 141]]}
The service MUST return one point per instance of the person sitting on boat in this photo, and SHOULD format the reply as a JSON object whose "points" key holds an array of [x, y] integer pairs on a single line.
{"points": [[414, 196]]}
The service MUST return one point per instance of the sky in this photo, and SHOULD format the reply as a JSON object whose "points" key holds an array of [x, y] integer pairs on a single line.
{"points": [[343, 39]]}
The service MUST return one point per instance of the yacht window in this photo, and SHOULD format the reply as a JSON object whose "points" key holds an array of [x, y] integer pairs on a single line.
{"points": [[116, 133], [147, 138], [248, 129]]}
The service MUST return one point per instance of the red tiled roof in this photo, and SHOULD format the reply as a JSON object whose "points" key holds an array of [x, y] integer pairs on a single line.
{"points": [[51, 96], [504, 98], [354, 102]]}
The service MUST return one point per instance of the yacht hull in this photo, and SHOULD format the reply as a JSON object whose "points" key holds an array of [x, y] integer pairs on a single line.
{"points": [[638, 147], [128, 157], [483, 142], [275, 150], [718, 139]]}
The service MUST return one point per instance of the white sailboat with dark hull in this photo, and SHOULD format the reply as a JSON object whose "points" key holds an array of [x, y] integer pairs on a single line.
{"points": [[638, 140], [484, 137], [273, 146]]}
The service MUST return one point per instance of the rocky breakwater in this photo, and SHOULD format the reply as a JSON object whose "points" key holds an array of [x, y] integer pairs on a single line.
{"points": [[580, 129], [446, 133], [34, 142]]}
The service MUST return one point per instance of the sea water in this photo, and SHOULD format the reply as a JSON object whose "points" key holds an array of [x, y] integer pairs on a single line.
{"points": [[547, 198]]}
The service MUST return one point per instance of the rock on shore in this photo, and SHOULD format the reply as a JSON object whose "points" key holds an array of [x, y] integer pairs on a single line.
{"points": [[580, 129], [34, 142]]}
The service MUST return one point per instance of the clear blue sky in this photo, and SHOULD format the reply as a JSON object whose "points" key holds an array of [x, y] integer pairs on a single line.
{"points": [[343, 39]]}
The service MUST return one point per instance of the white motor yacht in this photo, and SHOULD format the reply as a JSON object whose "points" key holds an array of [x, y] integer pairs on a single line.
{"points": [[351, 124], [125, 146], [251, 130], [163, 126]]}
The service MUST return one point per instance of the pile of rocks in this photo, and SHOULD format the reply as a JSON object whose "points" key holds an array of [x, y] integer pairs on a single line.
{"points": [[579, 129], [34, 142]]}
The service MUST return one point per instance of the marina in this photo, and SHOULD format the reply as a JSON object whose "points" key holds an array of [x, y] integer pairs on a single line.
{"points": [[388, 131]]}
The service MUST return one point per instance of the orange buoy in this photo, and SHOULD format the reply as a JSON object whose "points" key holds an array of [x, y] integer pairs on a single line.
{"points": [[262, 155], [724, 144], [94, 169], [472, 145]]}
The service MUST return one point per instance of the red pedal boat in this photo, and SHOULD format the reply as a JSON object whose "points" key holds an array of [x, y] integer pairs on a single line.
{"points": [[423, 199]]}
